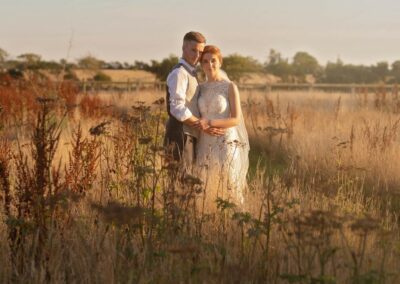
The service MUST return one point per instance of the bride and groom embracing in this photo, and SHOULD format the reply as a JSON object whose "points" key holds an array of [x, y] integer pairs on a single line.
{"points": [[205, 130]]}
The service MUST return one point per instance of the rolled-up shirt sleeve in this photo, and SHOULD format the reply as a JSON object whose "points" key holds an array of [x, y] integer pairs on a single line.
{"points": [[177, 83]]}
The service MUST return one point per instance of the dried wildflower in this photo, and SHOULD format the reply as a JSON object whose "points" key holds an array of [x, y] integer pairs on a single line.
{"points": [[275, 131], [183, 249], [155, 148], [99, 129], [136, 119], [140, 107], [126, 118], [242, 217], [160, 101], [223, 204], [71, 106], [365, 225], [198, 189], [192, 180], [141, 170], [21, 223], [5, 155], [63, 198], [145, 140], [349, 168], [343, 144], [172, 165], [43, 100], [119, 214], [321, 219]]}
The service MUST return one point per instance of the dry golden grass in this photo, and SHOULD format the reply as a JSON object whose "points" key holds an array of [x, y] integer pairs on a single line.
{"points": [[320, 208], [332, 131]]}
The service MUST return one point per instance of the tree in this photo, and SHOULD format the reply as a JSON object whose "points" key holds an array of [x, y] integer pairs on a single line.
{"points": [[274, 57], [381, 70], [395, 71], [30, 60], [303, 64], [50, 65], [277, 65], [237, 66], [334, 73], [162, 69], [67, 65], [348, 73], [140, 65], [90, 62], [116, 65], [3, 55], [127, 66]]}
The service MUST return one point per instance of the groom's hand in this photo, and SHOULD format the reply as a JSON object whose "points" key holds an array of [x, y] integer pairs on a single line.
{"points": [[214, 131], [202, 124]]}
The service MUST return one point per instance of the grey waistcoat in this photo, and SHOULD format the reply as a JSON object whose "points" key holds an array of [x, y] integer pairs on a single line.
{"points": [[191, 102]]}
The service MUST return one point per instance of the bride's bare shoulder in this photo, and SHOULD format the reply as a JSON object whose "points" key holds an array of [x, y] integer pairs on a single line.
{"points": [[233, 86]]}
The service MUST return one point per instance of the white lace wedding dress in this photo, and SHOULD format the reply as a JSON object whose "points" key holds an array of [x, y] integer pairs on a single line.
{"points": [[223, 161]]}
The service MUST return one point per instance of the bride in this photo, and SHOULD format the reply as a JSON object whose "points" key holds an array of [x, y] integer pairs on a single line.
{"points": [[222, 160]]}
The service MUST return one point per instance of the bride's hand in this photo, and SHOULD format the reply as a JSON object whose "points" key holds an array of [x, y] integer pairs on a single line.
{"points": [[214, 131]]}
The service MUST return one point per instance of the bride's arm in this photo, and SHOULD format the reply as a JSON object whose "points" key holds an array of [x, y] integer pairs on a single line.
{"points": [[234, 102]]}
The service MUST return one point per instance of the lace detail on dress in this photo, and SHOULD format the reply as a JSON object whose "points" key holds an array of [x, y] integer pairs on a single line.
{"points": [[213, 100]]}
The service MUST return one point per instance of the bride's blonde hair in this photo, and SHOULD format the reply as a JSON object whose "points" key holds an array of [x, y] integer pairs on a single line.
{"points": [[213, 50]]}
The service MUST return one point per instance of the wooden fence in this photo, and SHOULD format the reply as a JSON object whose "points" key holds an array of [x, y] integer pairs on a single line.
{"points": [[135, 86]]}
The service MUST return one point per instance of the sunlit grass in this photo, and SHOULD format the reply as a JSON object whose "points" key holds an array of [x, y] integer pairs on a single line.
{"points": [[105, 204]]}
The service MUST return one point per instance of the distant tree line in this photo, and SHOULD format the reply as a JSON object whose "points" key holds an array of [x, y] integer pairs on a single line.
{"points": [[300, 68], [304, 64]]}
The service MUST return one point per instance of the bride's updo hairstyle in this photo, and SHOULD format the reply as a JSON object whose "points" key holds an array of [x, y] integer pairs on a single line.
{"points": [[213, 50]]}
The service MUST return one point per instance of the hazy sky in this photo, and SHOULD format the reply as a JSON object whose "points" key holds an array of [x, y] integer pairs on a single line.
{"points": [[357, 31]]}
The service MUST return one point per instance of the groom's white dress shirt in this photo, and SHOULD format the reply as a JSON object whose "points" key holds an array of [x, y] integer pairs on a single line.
{"points": [[177, 83]]}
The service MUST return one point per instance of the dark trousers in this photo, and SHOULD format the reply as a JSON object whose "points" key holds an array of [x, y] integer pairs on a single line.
{"points": [[180, 145]]}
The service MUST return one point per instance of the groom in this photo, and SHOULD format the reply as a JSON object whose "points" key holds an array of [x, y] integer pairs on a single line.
{"points": [[182, 129]]}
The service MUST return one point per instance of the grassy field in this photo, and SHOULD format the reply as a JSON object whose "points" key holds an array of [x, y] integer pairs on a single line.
{"points": [[88, 195], [118, 75]]}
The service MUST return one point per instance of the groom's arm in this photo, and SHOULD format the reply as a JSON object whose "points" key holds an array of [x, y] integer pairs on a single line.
{"points": [[191, 121], [177, 83]]}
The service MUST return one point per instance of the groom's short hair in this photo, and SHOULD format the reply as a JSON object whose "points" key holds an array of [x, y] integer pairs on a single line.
{"points": [[194, 36]]}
